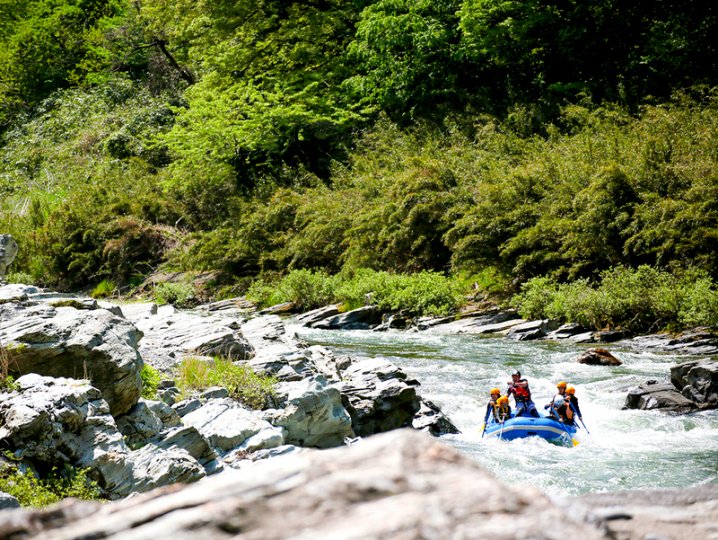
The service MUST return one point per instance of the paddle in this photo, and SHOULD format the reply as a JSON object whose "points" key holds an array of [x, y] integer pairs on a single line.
{"points": [[580, 418], [486, 419]]}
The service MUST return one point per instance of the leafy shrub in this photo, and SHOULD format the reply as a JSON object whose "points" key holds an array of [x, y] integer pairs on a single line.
{"points": [[32, 491], [103, 289], [535, 296], [701, 304], [20, 277], [175, 293], [150, 381], [243, 384], [636, 300]]}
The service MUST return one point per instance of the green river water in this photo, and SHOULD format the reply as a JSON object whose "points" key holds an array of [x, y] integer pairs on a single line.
{"points": [[625, 449]]}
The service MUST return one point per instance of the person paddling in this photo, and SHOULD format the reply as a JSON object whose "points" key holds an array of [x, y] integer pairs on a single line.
{"points": [[573, 402], [502, 411], [491, 405], [519, 388], [557, 400]]}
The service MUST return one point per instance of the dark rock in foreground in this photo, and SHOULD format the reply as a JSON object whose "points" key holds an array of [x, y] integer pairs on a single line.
{"points": [[401, 485]]}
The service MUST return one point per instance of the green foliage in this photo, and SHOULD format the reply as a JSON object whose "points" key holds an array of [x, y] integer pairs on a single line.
{"points": [[422, 293], [179, 294], [20, 277], [32, 491], [50, 44], [243, 384], [304, 288], [150, 381], [80, 214], [636, 300], [103, 289], [406, 55]]}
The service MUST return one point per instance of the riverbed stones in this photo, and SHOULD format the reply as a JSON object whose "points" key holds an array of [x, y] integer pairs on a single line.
{"points": [[378, 396], [362, 318], [70, 342], [532, 330], [598, 357], [53, 421], [171, 335], [401, 485], [312, 414]]}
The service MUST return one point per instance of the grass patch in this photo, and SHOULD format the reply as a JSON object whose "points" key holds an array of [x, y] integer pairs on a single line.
{"points": [[249, 388]]}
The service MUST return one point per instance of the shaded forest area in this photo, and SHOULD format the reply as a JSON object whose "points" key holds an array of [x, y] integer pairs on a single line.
{"points": [[499, 141]]}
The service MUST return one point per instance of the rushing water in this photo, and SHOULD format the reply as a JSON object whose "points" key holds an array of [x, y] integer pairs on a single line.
{"points": [[624, 450]]}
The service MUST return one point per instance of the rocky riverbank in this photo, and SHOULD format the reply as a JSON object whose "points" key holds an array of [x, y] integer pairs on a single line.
{"points": [[77, 401], [390, 486]]}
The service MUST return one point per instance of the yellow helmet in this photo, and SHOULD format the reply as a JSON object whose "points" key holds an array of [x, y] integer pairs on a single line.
{"points": [[570, 390], [561, 385], [495, 391], [502, 400]]}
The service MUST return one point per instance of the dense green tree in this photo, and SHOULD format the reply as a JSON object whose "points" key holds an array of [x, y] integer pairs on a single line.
{"points": [[50, 44]]}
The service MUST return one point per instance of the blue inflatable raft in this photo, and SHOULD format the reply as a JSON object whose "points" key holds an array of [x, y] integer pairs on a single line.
{"points": [[527, 426]]}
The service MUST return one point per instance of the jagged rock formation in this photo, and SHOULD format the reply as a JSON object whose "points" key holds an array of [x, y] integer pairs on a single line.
{"points": [[693, 386]]}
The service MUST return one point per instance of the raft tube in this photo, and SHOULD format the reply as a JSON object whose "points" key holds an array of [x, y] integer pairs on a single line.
{"points": [[527, 426]]}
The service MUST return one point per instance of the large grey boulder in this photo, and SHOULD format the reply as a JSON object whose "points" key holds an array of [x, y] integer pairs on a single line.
{"points": [[654, 395], [78, 343], [378, 396], [697, 381], [227, 426], [8, 251], [357, 319], [403, 485], [312, 414], [54, 421]]}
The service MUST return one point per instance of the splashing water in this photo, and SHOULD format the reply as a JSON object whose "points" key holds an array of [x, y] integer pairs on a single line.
{"points": [[626, 449]]}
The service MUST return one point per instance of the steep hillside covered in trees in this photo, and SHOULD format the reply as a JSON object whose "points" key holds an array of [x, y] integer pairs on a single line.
{"points": [[250, 138]]}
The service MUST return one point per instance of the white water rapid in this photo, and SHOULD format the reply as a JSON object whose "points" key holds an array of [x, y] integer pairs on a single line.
{"points": [[625, 449]]}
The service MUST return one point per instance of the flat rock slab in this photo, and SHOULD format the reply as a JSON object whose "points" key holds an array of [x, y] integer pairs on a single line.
{"points": [[402, 485]]}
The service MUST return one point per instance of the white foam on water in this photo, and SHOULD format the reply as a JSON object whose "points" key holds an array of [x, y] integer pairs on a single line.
{"points": [[626, 449]]}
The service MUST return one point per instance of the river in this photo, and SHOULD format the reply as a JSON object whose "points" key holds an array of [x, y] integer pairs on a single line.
{"points": [[625, 449]]}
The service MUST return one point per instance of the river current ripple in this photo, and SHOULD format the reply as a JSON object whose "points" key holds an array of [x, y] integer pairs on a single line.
{"points": [[624, 450]]}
